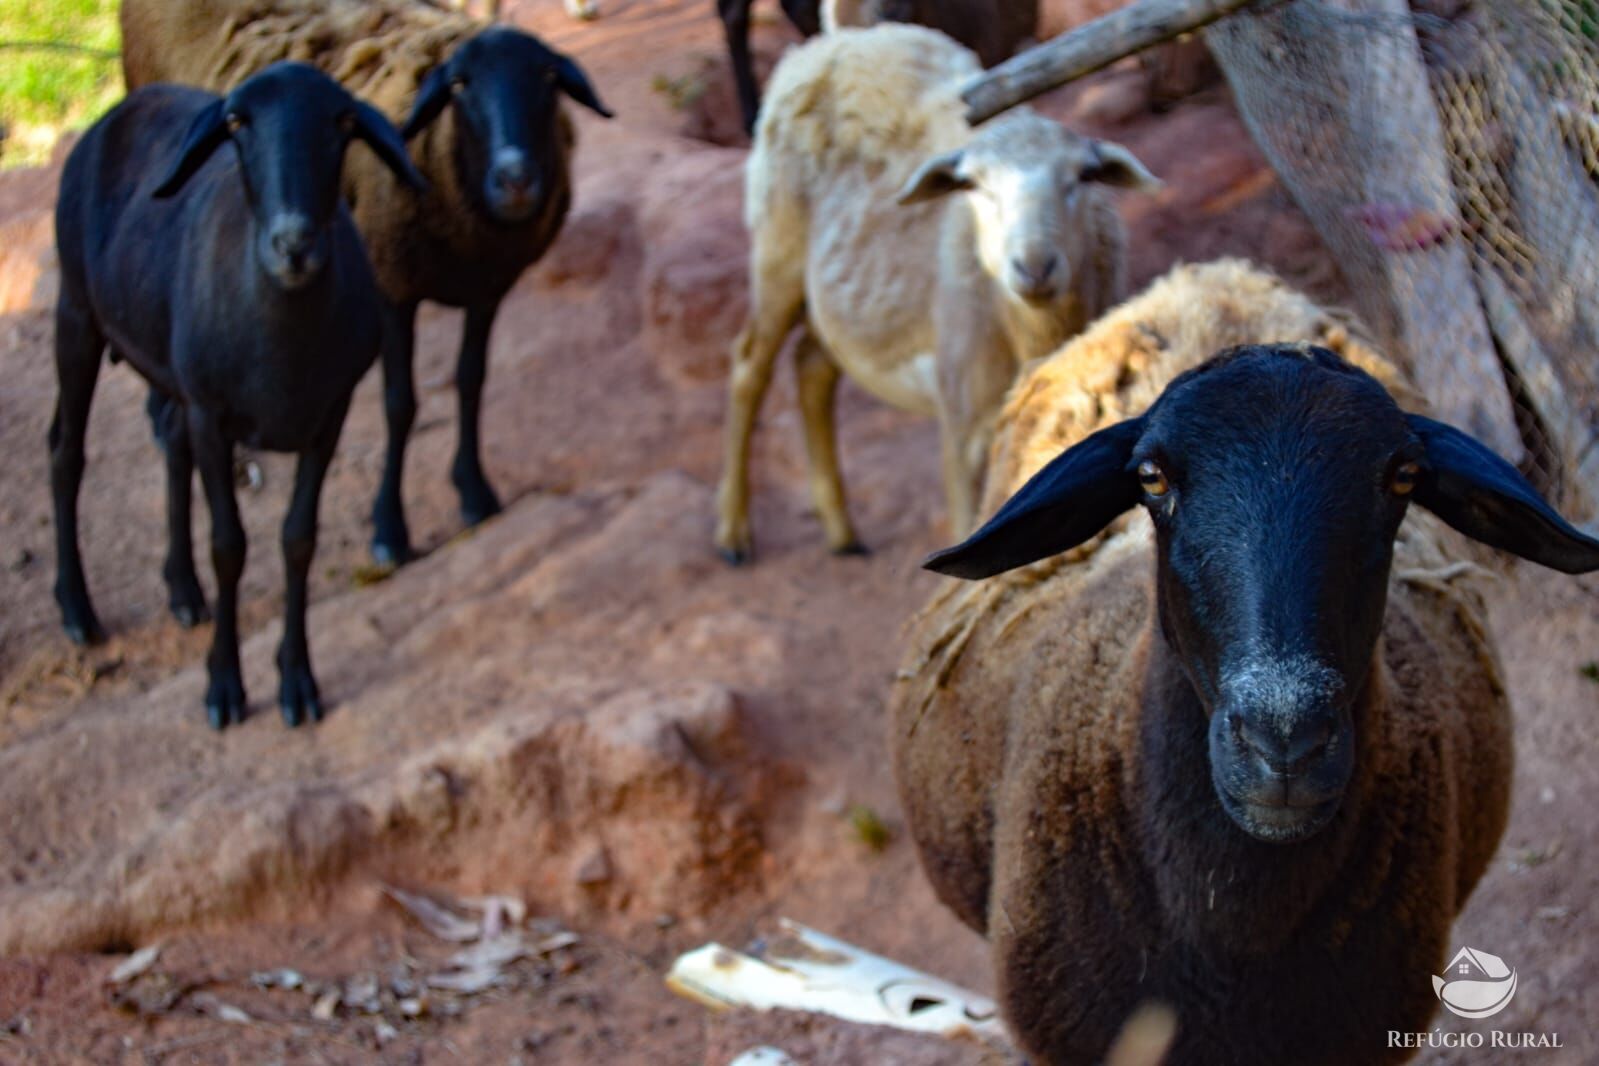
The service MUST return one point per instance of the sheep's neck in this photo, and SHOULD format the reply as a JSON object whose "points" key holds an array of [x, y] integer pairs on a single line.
{"points": [[1217, 885], [1034, 331]]}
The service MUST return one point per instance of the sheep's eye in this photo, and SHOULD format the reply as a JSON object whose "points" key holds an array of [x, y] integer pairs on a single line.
{"points": [[1153, 478], [1404, 481], [235, 122]]}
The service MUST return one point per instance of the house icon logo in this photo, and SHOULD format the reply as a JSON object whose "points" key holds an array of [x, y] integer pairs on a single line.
{"points": [[1476, 984]]}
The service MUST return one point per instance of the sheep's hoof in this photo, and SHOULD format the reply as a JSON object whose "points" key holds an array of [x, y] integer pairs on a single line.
{"points": [[853, 547], [78, 618], [479, 506], [224, 701], [189, 612], [735, 556], [298, 698], [87, 632], [390, 556]]}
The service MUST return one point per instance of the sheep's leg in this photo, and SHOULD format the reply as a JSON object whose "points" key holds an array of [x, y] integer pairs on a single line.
{"points": [[79, 348], [391, 540], [817, 377], [806, 15], [184, 596], [776, 298], [964, 447], [478, 501], [297, 692], [975, 370], [213, 454], [736, 23]]}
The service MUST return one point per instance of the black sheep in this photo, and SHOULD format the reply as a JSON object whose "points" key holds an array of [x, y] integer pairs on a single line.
{"points": [[248, 304], [486, 126]]}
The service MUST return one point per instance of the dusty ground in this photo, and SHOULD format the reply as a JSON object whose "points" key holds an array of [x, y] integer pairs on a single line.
{"points": [[579, 704]]}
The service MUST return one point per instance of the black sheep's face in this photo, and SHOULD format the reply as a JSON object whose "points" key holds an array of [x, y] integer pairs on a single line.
{"points": [[1276, 485], [505, 87], [290, 134], [289, 126], [1276, 477]]}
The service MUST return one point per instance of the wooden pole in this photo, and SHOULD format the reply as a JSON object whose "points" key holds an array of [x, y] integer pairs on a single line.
{"points": [[1086, 49]]}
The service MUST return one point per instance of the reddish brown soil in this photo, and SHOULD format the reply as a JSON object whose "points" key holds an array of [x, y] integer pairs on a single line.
{"points": [[579, 703]]}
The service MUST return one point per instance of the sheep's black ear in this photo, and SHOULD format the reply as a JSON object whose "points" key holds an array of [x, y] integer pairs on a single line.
{"points": [[434, 92], [206, 134], [1079, 493], [1114, 165], [381, 136], [939, 176], [1484, 497], [575, 84]]}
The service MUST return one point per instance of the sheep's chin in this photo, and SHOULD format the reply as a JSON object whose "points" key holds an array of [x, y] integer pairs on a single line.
{"points": [[1038, 297], [1279, 825]]}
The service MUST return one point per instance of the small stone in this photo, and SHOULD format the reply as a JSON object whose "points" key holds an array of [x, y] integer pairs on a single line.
{"points": [[595, 869]]}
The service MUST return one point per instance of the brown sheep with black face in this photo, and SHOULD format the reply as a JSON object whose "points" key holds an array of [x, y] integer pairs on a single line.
{"points": [[1229, 733], [483, 113]]}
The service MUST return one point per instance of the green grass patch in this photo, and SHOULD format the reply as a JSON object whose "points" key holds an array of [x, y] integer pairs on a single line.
{"points": [[58, 71], [868, 827]]}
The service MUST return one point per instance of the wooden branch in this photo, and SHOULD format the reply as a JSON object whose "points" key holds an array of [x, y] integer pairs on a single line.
{"points": [[1088, 48]]}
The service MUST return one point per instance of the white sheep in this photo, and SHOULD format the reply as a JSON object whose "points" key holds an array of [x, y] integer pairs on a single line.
{"points": [[1248, 752], [931, 302]]}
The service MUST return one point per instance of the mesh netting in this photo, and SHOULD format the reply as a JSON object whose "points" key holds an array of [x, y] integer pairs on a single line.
{"points": [[1447, 151]]}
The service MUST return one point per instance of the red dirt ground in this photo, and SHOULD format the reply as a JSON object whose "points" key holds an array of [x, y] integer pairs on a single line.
{"points": [[579, 704]]}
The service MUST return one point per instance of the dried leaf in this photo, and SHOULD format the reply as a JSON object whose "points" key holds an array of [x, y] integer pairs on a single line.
{"points": [[555, 943], [326, 1007], [281, 978], [440, 921], [367, 574], [135, 964], [466, 982], [151, 993], [499, 952], [206, 1003], [499, 912]]}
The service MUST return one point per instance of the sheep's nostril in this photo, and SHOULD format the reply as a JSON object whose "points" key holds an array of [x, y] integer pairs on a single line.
{"points": [[1035, 274], [1288, 755], [292, 242], [1307, 744], [512, 179]]}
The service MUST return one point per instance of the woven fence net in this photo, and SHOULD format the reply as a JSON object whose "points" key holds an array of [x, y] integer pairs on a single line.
{"points": [[1448, 152]]}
